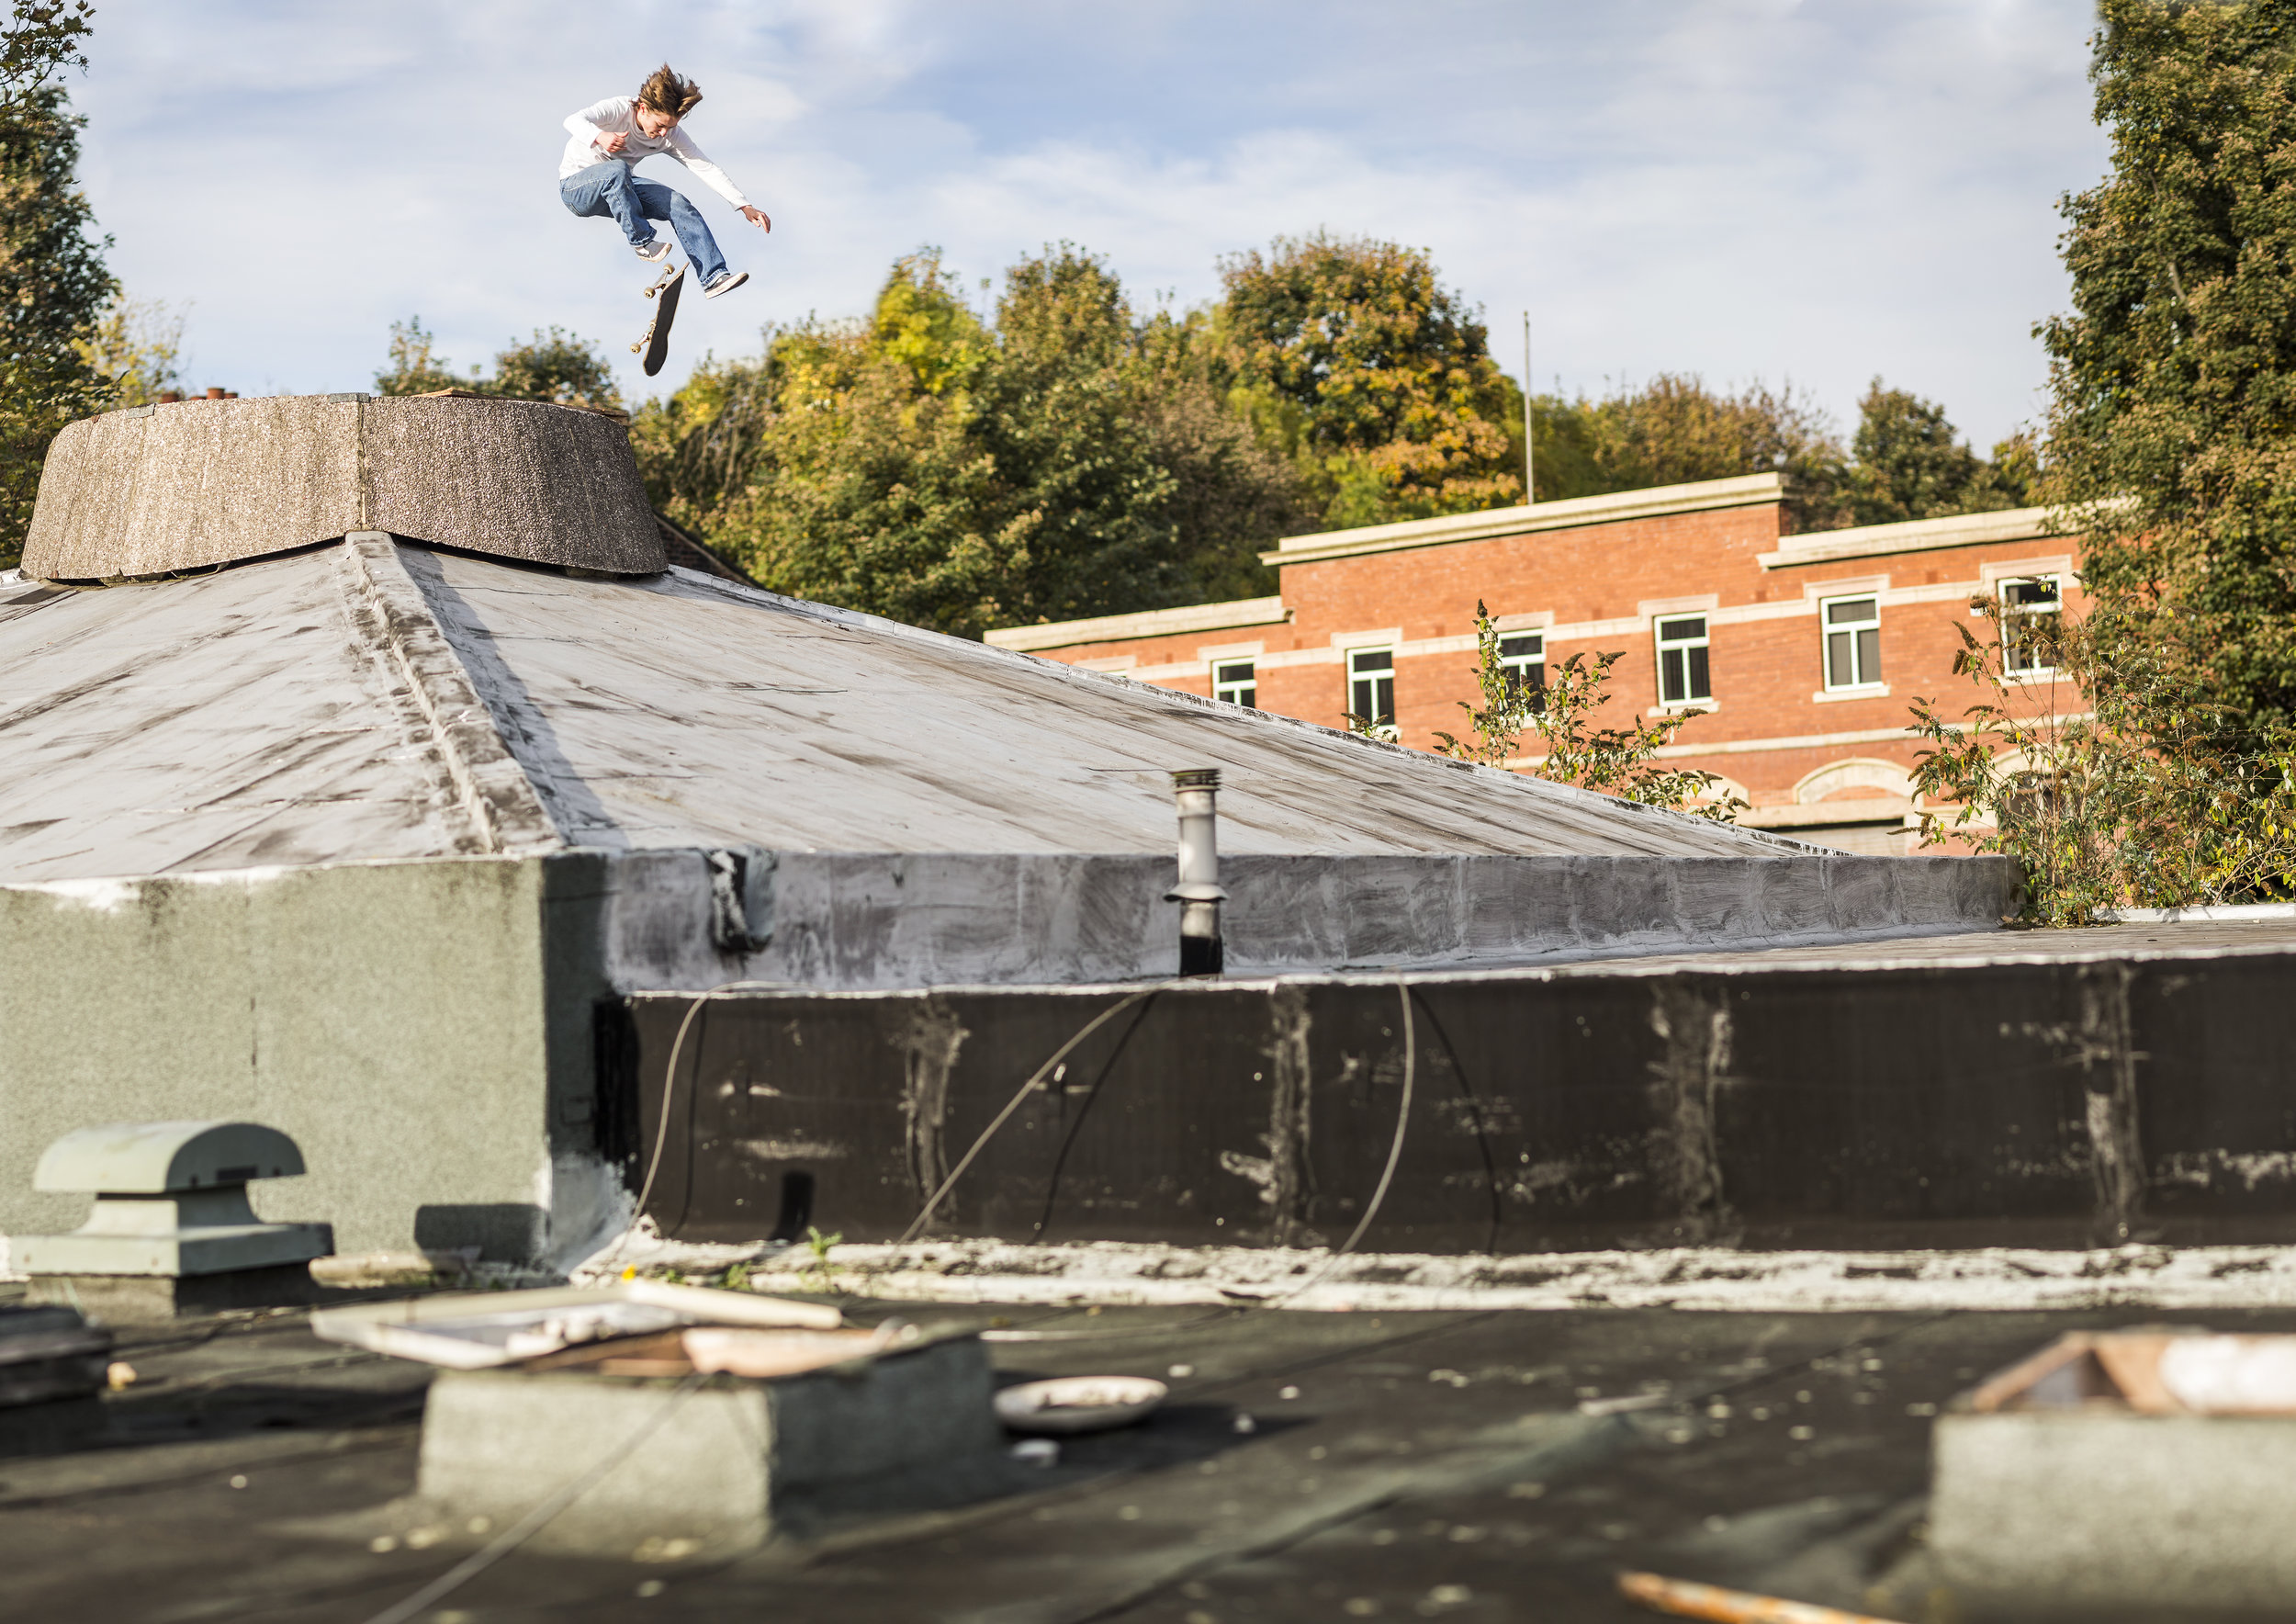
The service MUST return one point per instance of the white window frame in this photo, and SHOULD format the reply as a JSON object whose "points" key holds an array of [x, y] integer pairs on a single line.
{"points": [[1861, 681], [2009, 617], [1521, 662], [1384, 728], [1687, 647], [1244, 690]]}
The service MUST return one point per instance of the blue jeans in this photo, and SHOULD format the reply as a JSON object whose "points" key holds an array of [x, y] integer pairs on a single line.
{"points": [[611, 188]]}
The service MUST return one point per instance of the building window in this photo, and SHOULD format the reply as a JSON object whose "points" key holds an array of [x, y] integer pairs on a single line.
{"points": [[1853, 642], [1233, 681], [1684, 675], [1523, 656], [1371, 688], [2029, 609]]}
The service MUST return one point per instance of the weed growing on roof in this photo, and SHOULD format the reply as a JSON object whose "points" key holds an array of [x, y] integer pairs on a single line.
{"points": [[818, 1245]]}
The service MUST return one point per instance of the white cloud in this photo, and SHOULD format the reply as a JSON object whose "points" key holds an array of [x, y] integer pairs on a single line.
{"points": [[1733, 186]]}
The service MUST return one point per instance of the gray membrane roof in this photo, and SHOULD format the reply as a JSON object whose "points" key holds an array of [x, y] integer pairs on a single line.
{"points": [[223, 722], [267, 714]]}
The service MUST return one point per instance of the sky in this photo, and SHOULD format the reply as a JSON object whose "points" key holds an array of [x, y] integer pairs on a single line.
{"points": [[1746, 189]]}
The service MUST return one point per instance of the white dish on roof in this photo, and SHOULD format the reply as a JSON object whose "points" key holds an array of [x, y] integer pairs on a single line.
{"points": [[1078, 1404]]}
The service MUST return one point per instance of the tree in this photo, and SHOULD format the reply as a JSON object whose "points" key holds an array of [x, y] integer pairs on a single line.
{"points": [[2144, 791], [1674, 430], [553, 365], [1235, 493], [1378, 377], [2173, 413], [138, 348], [39, 40], [52, 286], [874, 487], [1071, 460], [1910, 465], [415, 369], [1560, 710]]}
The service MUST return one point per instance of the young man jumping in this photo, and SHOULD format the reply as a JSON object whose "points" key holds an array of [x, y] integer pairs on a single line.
{"points": [[595, 177]]}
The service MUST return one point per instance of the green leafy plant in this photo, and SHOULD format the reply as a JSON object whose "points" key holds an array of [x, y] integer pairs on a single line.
{"points": [[818, 1245], [2153, 792], [1617, 761]]}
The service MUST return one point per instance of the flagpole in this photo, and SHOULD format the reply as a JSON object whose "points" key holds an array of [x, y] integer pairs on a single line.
{"points": [[1530, 491]]}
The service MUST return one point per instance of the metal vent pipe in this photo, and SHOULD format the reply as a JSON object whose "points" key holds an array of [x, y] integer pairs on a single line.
{"points": [[1198, 893]]}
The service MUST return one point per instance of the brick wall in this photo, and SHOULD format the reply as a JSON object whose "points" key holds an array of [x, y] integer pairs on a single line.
{"points": [[1601, 584]]}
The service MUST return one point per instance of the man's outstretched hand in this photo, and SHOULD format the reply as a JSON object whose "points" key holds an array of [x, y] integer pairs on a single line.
{"points": [[755, 217]]}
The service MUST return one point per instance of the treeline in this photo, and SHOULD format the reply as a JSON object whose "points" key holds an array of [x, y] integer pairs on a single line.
{"points": [[1068, 455], [1071, 455]]}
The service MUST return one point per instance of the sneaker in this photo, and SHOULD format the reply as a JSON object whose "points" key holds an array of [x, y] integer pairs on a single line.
{"points": [[727, 282], [653, 251]]}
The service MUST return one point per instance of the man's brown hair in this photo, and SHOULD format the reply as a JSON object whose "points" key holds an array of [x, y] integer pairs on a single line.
{"points": [[666, 93]]}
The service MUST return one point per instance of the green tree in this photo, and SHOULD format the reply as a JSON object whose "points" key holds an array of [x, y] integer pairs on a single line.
{"points": [[1675, 430], [1560, 711], [39, 40], [553, 366], [1911, 465], [138, 347], [1235, 491], [52, 288], [1378, 377], [1071, 460], [415, 366], [2124, 783], [2172, 441]]}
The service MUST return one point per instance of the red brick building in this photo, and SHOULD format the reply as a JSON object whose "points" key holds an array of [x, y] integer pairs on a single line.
{"points": [[1801, 651]]}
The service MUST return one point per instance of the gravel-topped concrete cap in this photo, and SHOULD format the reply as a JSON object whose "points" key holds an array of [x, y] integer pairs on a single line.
{"points": [[190, 485]]}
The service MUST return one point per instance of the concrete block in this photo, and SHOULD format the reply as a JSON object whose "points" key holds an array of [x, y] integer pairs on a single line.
{"points": [[717, 1466], [2081, 1510], [197, 483]]}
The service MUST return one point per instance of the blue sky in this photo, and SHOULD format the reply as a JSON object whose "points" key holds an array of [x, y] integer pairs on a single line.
{"points": [[1737, 187]]}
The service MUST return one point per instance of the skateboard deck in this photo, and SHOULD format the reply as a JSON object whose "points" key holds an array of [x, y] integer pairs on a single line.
{"points": [[664, 293]]}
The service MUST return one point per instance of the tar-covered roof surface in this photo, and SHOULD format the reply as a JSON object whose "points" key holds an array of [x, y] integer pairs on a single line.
{"points": [[1393, 1466], [255, 717]]}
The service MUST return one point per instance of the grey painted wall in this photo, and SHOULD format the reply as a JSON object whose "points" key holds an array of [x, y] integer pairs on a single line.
{"points": [[403, 1021]]}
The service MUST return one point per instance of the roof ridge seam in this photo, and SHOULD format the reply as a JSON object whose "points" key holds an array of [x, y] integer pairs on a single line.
{"points": [[495, 791]]}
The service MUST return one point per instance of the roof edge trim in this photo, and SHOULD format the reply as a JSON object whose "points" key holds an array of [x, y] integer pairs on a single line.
{"points": [[1743, 490], [1147, 623]]}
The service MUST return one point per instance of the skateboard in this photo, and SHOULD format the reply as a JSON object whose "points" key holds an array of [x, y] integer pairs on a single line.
{"points": [[664, 293]]}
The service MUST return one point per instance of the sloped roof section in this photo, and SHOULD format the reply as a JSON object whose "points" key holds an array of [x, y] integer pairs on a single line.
{"points": [[377, 699], [237, 720], [684, 711]]}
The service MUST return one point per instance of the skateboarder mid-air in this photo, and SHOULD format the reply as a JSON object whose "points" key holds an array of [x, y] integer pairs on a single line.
{"points": [[597, 176]]}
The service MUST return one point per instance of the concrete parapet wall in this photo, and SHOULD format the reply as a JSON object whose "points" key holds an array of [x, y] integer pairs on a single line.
{"points": [[197, 483], [419, 1029], [876, 921]]}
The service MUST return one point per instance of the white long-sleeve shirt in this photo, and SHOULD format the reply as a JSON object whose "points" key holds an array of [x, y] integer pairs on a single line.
{"points": [[619, 112]]}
